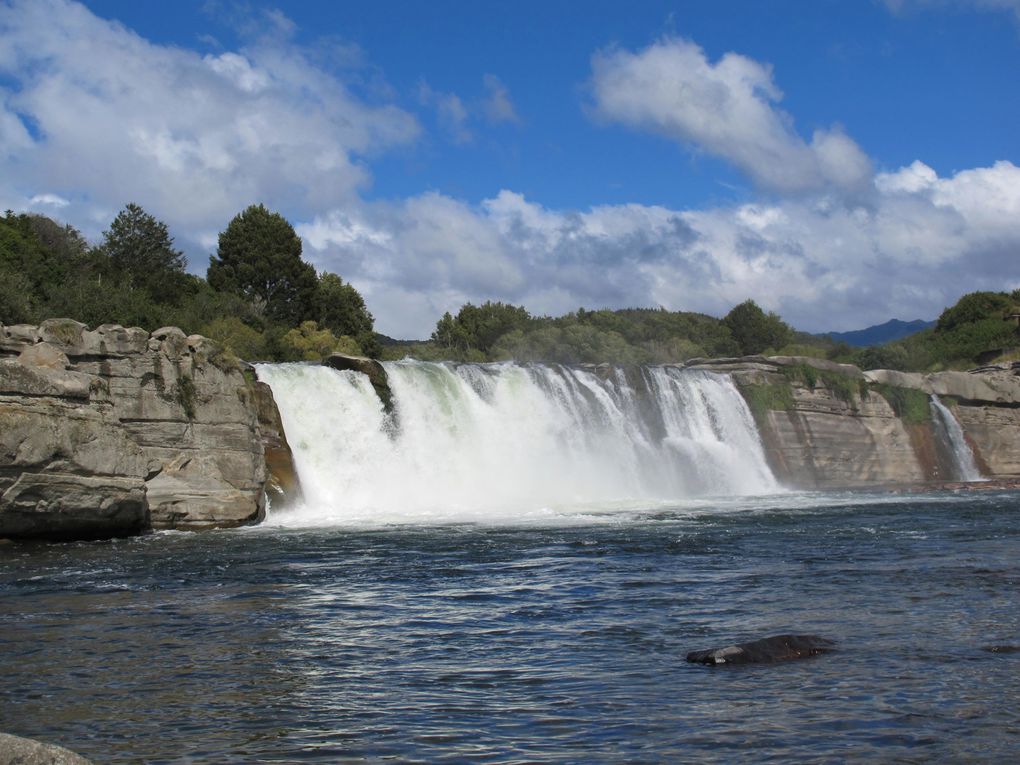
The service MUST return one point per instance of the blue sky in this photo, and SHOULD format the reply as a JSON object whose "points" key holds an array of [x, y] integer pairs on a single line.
{"points": [[839, 162]]}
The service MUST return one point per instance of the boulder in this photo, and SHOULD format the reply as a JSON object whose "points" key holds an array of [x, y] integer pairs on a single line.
{"points": [[375, 371], [15, 750], [764, 651]]}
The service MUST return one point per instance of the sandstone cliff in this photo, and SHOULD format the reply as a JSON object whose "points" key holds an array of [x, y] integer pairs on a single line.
{"points": [[115, 431], [828, 425]]}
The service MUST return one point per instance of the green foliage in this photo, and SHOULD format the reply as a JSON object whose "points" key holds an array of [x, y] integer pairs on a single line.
{"points": [[310, 343], [802, 373], [185, 395], [259, 258], [765, 398], [974, 307], [754, 330], [479, 327], [843, 386], [237, 337], [22, 252], [15, 298], [141, 255], [340, 308], [910, 405]]}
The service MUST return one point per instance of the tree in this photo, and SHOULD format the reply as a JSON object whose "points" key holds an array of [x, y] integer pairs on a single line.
{"points": [[974, 307], [754, 330], [340, 308], [259, 258], [142, 256], [479, 327]]}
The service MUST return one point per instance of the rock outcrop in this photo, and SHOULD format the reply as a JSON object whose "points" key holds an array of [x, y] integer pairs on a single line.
{"points": [[283, 487], [15, 750], [371, 368], [115, 430], [827, 425]]}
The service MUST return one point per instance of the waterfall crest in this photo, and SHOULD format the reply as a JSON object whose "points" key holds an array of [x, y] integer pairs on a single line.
{"points": [[951, 434], [475, 441]]}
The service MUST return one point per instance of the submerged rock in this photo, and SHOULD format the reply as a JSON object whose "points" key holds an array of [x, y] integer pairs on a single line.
{"points": [[1001, 648], [764, 651], [15, 750]]}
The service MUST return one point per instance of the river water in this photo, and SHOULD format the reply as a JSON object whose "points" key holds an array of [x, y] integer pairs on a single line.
{"points": [[557, 639]]}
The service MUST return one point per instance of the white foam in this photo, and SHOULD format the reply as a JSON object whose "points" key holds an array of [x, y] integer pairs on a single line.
{"points": [[506, 443]]}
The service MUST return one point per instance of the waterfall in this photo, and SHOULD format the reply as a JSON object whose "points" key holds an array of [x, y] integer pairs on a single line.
{"points": [[478, 441], [951, 434]]}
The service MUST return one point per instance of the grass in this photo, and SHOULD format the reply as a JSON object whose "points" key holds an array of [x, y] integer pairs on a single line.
{"points": [[762, 399], [844, 387], [909, 404]]}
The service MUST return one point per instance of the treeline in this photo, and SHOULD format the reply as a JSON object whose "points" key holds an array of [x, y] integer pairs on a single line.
{"points": [[260, 298], [264, 302], [498, 331], [977, 330]]}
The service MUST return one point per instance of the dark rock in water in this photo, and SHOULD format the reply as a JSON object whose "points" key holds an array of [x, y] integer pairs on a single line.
{"points": [[1001, 648], [764, 651], [373, 369], [15, 750]]}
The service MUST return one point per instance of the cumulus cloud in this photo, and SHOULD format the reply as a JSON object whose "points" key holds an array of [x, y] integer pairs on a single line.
{"points": [[915, 245], [93, 116], [727, 108], [93, 112]]}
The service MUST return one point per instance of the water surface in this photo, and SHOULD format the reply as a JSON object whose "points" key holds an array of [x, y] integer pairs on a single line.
{"points": [[560, 638]]}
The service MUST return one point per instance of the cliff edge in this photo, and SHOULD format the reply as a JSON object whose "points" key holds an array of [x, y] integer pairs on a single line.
{"points": [[827, 425], [115, 431]]}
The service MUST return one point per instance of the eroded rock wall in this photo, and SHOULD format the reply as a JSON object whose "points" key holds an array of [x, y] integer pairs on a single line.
{"points": [[116, 430], [827, 425]]}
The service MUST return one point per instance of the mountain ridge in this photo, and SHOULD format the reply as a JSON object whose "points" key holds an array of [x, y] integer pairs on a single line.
{"points": [[894, 329]]}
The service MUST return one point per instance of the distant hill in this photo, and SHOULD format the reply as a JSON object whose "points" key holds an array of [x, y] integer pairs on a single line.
{"points": [[894, 329]]}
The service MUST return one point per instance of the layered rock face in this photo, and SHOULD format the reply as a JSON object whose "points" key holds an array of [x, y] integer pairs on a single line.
{"points": [[827, 425], [116, 430]]}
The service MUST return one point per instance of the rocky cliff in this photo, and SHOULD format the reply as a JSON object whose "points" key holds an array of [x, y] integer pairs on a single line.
{"points": [[115, 431], [827, 425]]}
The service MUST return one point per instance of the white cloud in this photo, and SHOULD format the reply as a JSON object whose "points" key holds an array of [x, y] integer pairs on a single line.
{"points": [[727, 108], [48, 200], [194, 138], [908, 250], [93, 116]]}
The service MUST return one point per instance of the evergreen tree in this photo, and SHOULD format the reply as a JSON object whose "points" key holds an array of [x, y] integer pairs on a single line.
{"points": [[259, 258], [142, 256], [756, 331]]}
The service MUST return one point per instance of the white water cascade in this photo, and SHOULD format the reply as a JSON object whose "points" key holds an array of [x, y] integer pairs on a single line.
{"points": [[504, 441], [950, 431]]}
